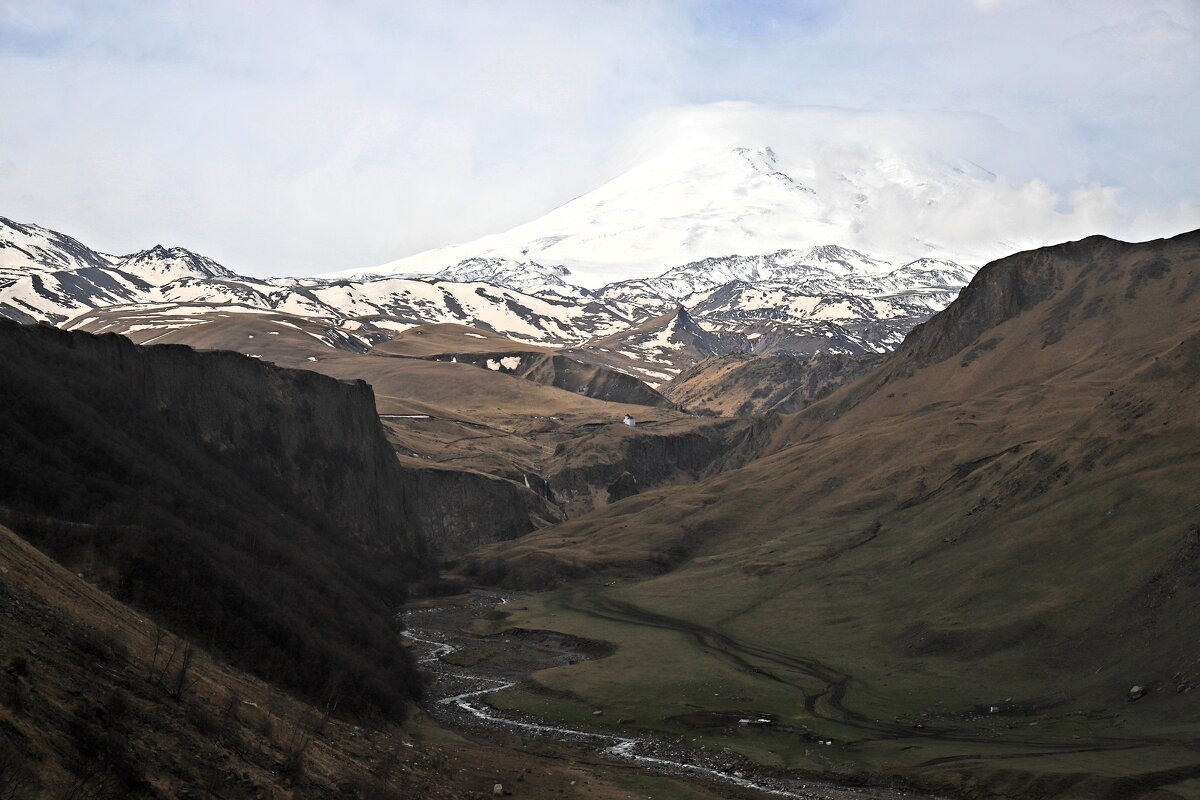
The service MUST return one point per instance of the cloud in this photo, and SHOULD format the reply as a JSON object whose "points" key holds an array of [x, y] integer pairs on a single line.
{"points": [[295, 137]]}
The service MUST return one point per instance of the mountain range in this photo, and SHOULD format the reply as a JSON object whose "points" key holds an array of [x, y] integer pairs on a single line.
{"points": [[820, 299]]}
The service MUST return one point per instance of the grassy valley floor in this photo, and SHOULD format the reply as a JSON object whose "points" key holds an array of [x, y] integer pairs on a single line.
{"points": [[854, 716]]}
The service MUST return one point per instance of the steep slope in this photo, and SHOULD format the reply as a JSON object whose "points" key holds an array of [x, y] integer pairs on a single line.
{"points": [[25, 248], [256, 509], [745, 384], [958, 567]]}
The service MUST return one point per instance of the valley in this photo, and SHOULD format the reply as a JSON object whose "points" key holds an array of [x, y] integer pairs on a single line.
{"points": [[469, 666], [600, 400], [911, 573], [957, 567], [809, 523]]}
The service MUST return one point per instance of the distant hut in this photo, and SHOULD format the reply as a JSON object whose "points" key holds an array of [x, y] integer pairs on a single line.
{"points": [[630, 421]]}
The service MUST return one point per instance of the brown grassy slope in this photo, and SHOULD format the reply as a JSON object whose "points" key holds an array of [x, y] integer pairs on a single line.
{"points": [[83, 713], [742, 384], [286, 339], [1007, 508]]}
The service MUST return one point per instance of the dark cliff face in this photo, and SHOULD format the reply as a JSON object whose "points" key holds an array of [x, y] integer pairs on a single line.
{"points": [[314, 438], [589, 379], [258, 510], [457, 510]]}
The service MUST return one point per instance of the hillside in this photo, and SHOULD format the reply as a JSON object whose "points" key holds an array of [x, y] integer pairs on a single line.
{"points": [[957, 568], [736, 385], [93, 703], [255, 509]]}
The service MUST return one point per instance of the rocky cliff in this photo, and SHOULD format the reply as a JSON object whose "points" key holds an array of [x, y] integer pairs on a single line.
{"points": [[257, 510]]}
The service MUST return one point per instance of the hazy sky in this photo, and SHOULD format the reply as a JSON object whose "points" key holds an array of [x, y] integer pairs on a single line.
{"points": [[297, 137]]}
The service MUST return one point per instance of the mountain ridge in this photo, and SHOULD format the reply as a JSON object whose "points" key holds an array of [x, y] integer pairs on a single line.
{"points": [[824, 298]]}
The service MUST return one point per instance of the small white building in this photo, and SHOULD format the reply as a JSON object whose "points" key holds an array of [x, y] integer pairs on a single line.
{"points": [[630, 421]]}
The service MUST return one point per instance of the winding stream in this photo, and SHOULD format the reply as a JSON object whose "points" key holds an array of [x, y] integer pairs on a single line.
{"points": [[462, 690]]}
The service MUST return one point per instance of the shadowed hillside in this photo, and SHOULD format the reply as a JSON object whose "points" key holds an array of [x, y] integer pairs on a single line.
{"points": [[257, 510]]}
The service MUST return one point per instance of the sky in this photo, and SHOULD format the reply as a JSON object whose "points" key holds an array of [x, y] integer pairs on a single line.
{"points": [[290, 138]]}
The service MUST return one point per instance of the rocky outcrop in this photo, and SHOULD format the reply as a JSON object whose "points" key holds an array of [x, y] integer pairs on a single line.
{"points": [[1000, 291]]}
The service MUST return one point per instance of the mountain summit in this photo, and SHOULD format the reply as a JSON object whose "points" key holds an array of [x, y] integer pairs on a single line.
{"points": [[700, 201]]}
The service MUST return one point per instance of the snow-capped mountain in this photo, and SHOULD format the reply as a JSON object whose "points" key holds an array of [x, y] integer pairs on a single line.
{"points": [[26, 249], [730, 206], [54, 278], [49, 276], [715, 199], [160, 265], [820, 298], [677, 285]]}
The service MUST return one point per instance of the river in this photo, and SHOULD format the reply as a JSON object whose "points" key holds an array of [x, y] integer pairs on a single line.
{"points": [[457, 697]]}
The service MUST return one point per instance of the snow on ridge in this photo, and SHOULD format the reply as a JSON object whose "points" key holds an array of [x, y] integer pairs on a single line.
{"points": [[725, 231]]}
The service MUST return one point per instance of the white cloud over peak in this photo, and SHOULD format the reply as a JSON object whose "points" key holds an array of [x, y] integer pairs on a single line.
{"points": [[294, 137]]}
